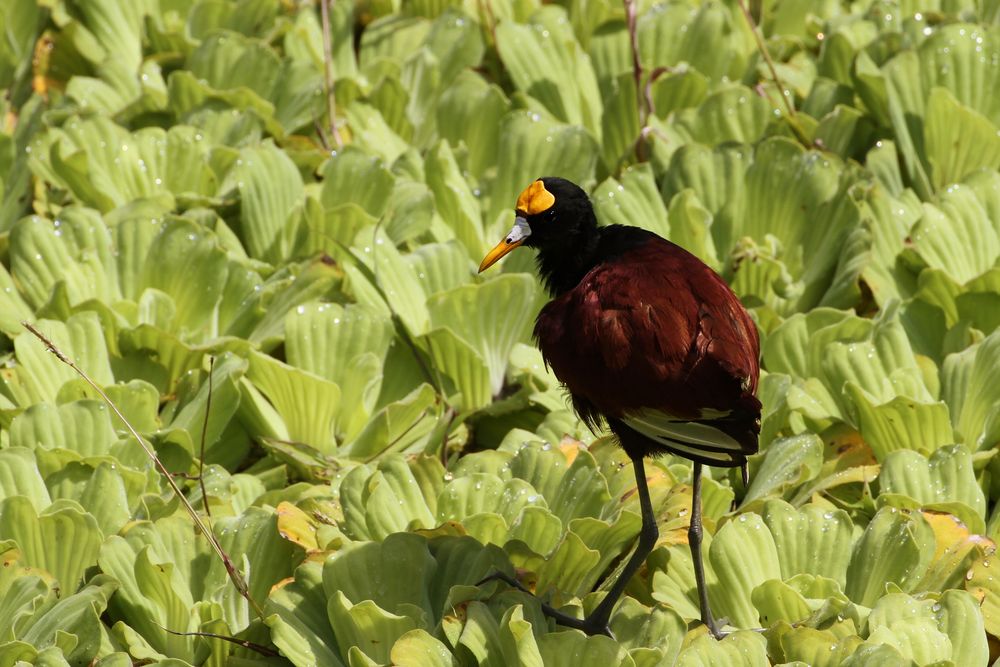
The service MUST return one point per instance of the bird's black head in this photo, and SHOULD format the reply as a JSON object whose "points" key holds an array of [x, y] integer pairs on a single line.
{"points": [[556, 217]]}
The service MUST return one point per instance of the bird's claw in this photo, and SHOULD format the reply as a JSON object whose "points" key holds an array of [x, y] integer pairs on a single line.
{"points": [[715, 629], [591, 626], [506, 578]]}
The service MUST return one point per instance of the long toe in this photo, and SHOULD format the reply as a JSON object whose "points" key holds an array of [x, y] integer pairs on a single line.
{"points": [[596, 626], [715, 627]]}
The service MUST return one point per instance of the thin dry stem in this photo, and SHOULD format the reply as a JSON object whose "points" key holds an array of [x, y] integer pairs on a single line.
{"points": [[643, 102], [793, 121], [759, 38], [234, 575], [245, 643], [204, 432], [331, 102]]}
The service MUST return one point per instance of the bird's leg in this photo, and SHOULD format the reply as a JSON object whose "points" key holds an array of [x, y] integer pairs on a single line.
{"points": [[694, 540], [601, 614], [597, 621]]}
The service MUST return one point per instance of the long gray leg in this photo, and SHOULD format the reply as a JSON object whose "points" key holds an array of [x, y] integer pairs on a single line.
{"points": [[597, 621], [694, 540]]}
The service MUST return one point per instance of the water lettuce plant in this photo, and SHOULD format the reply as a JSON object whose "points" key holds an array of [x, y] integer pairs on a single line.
{"points": [[255, 225]]}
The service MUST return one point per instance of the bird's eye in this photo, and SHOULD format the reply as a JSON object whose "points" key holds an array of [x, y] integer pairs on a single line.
{"points": [[509, 240]]}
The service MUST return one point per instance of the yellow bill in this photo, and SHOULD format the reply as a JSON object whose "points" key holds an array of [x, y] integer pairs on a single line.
{"points": [[515, 237]]}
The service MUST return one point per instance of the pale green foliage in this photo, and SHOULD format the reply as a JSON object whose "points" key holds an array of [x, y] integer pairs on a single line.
{"points": [[377, 434]]}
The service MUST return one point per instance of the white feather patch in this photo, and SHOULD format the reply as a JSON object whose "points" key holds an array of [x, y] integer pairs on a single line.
{"points": [[701, 439]]}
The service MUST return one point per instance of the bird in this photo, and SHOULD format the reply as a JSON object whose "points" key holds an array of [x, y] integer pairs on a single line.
{"points": [[648, 340]]}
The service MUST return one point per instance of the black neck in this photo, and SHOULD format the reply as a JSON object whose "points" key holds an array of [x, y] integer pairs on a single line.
{"points": [[561, 265]]}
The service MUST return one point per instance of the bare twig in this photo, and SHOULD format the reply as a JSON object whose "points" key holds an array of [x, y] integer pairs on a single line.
{"points": [[486, 9], [331, 102], [767, 57], [245, 643], [643, 98], [633, 35], [204, 432], [786, 95], [234, 574]]}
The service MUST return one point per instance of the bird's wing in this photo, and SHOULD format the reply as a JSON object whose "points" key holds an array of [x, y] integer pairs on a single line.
{"points": [[657, 339]]}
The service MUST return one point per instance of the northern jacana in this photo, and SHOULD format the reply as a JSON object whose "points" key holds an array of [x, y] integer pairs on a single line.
{"points": [[648, 339]]}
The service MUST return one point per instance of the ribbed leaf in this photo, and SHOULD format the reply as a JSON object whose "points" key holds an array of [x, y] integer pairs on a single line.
{"points": [[62, 541], [546, 62], [75, 248], [491, 317], [307, 404], [814, 540], [82, 426], [744, 555], [81, 339], [270, 189], [632, 200], [947, 476], [896, 548], [901, 424]]}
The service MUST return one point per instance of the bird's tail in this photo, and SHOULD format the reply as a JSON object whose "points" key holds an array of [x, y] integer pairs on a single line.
{"points": [[714, 438]]}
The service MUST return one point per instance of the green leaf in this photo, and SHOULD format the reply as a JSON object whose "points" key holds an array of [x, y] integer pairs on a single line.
{"points": [[910, 626], [298, 620], [570, 649], [395, 279], [80, 338], [469, 112], [746, 649], [20, 477], [546, 62], [353, 176], [74, 619], [969, 390], [959, 140], [346, 346], [731, 114], [632, 200], [896, 547], [398, 425], [183, 252], [947, 476], [814, 540], [463, 365], [955, 236], [454, 199], [491, 317], [901, 424], [673, 34], [74, 248], [81, 426], [386, 500], [787, 463], [62, 540], [417, 648], [270, 190], [306, 404], [691, 227], [743, 555], [959, 617], [214, 404]]}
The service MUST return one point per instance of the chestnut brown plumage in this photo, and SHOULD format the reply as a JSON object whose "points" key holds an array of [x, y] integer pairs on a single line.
{"points": [[648, 339]]}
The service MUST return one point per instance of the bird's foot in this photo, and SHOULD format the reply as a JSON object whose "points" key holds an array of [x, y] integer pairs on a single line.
{"points": [[715, 628], [595, 624], [717, 632]]}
